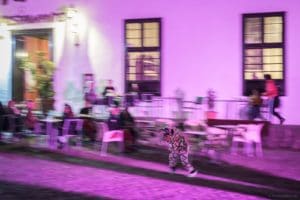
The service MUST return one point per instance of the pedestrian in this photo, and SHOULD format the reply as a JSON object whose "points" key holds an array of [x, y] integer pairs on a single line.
{"points": [[178, 150], [271, 91]]}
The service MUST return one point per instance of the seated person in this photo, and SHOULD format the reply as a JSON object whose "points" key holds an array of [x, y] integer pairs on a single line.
{"points": [[127, 123], [109, 90], [255, 101], [2, 113], [109, 93], [68, 114], [87, 109], [135, 91], [89, 127], [13, 110], [113, 120], [30, 119]]}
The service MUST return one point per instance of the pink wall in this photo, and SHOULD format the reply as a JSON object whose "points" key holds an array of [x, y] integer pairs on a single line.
{"points": [[201, 42]]}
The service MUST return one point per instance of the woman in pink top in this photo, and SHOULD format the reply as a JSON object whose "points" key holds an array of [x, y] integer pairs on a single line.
{"points": [[271, 91]]}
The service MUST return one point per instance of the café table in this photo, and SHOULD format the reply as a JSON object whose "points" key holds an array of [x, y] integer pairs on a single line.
{"points": [[50, 130]]}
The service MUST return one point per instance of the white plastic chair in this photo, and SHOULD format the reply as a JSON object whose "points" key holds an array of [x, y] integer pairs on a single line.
{"points": [[249, 135], [216, 141], [111, 136]]}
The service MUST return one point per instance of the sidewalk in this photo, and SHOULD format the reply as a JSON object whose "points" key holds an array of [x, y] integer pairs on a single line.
{"points": [[144, 175]]}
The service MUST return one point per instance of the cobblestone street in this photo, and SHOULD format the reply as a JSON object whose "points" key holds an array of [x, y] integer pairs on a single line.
{"points": [[36, 174]]}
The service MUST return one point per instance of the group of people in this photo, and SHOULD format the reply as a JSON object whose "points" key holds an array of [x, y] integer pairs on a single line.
{"points": [[119, 119], [12, 118], [272, 94], [108, 93]]}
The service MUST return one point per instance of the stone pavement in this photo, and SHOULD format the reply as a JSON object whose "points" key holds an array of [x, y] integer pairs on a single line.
{"points": [[27, 173]]}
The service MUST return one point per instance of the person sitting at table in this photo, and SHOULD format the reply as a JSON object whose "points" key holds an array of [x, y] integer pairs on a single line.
{"points": [[109, 93], [12, 108], [16, 113], [135, 91], [2, 113], [87, 109], [89, 127], [127, 123], [109, 89], [30, 119], [68, 114], [114, 116]]}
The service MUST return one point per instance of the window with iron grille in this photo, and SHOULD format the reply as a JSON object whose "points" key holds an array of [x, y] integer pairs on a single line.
{"points": [[263, 50], [143, 55]]}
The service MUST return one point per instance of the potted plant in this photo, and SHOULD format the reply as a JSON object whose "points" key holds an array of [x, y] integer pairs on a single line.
{"points": [[211, 98], [42, 71]]}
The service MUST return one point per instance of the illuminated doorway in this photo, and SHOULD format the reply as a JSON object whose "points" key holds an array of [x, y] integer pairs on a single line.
{"points": [[27, 44]]}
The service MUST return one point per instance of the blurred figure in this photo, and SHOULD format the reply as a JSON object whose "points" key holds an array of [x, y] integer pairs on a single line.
{"points": [[30, 119], [89, 127], [178, 151], [90, 95], [255, 101], [68, 112], [2, 113], [114, 115], [12, 108], [87, 109], [109, 93], [127, 123], [16, 113], [271, 91], [134, 91], [109, 90]]}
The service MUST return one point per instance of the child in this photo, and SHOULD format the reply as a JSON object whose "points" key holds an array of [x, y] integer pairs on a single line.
{"points": [[178, 150], [255, 102]]}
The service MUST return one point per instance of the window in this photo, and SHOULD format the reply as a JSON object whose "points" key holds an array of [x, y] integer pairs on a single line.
{"points": [[263, 50], [143, 55]]}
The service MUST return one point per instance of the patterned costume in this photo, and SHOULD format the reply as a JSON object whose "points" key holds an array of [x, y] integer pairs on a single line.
{"points": [[178, 150]]}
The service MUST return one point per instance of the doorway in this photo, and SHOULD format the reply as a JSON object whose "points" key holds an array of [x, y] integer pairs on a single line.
{"points": [[26, 46]]}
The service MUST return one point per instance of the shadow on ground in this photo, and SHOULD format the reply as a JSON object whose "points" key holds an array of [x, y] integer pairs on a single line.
{"points": [[17, 191]]}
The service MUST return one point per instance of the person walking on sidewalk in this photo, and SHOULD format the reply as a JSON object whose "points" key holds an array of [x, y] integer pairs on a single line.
{"points": [[178, 150]]}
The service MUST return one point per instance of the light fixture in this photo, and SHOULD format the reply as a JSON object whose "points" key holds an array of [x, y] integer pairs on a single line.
{"points": [[21, 54], [71, 12]]}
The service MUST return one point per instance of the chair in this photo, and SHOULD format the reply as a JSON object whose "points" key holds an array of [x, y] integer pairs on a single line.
{"points": [[13, 127], [213, 142], [111, 136], [216, 138], [64, 139], [249, 135]]}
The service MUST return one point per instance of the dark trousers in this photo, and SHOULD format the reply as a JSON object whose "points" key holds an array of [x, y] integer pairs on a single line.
{"points": [[254, 112]]}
